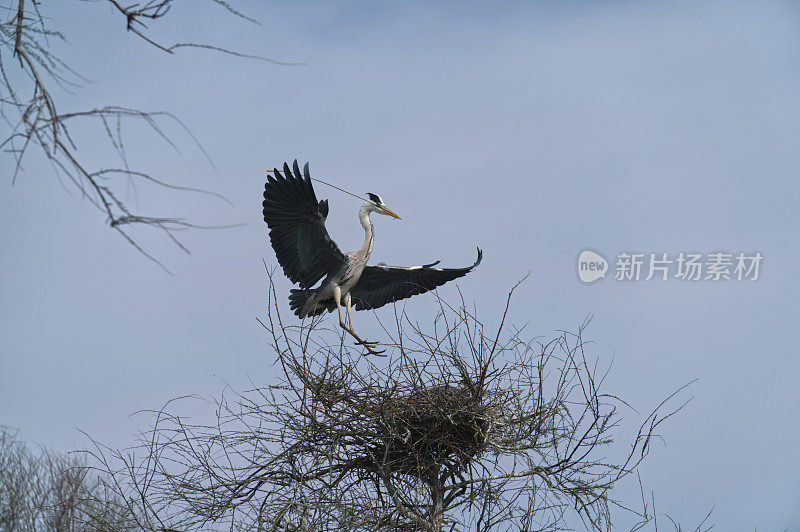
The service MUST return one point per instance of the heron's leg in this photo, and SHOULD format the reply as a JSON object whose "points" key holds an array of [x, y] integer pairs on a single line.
{"points": [[369, 345], [337, 296], [347, 304]]}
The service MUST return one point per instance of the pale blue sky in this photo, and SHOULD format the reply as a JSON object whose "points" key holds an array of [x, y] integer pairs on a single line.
{"points": [[534, 131]]}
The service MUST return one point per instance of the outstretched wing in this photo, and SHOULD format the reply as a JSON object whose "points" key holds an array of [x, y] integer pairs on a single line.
{"points": [[297, 227], [379, 285]]}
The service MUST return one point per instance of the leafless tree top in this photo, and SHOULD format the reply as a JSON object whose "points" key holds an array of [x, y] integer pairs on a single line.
{"points": [[459, 429]]}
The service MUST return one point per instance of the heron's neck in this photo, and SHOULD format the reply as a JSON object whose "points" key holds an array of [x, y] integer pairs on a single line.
{"points": [[369, 233]]}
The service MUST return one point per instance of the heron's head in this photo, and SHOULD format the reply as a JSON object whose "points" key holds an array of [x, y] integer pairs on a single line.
{"points": [[375, 203]]}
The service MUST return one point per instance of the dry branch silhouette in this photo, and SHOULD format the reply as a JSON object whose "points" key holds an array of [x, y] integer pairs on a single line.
{"points": [[31, 77], [44, 490]]}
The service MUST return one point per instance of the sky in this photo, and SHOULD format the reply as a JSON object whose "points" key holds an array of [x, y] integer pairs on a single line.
{"points": [[533, 130]]}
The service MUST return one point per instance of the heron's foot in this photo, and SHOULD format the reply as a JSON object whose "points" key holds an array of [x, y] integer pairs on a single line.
{"points": [[371, 349], [367, 343], [370, 346]]}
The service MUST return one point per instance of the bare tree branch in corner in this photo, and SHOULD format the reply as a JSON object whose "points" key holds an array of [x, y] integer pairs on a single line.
{"points": [[31, 74], [44, 490]]}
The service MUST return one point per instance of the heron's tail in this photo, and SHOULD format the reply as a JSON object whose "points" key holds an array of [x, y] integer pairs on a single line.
{"points": [[297, 301], [303, 303]]}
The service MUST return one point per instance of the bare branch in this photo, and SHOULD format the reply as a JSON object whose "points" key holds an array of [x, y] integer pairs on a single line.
{"points": [[28, 106]]}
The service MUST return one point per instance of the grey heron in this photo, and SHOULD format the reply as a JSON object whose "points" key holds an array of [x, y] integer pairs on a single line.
{"points": [[307, 254]]}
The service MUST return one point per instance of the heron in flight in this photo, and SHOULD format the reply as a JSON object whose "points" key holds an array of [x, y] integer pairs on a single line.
{"points": [[307, 254]]}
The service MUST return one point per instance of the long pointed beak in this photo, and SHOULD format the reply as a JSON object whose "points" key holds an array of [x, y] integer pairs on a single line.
{"points": [[391, 213]]}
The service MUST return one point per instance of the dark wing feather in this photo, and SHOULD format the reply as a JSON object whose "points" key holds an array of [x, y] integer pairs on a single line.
{"points": [[297, 227], [380, 285]]}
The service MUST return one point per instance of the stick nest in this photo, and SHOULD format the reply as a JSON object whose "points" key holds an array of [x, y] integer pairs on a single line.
{"points": [[421, 432], [414, 429]]}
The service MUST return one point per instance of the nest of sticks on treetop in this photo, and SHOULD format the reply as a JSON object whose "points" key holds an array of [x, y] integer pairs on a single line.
{"points": [[433, 427], [411, 428]]}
